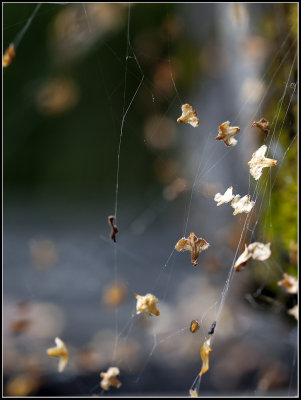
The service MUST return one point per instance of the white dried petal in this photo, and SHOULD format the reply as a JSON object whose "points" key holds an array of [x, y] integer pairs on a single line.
{"points": [[59, 351], [188, 116], [259, 161], [226, 133], [290, 283], [260, 251], [242, 205], [147, 304], [109, 378], [242, 259], [256, 250], [224, 198]]}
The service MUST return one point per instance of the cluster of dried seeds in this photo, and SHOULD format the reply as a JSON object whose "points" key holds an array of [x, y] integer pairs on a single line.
{"points": [[148, 304], [240, 205]]}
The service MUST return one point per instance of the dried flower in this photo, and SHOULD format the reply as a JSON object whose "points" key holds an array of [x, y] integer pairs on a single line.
{"points": [[194, 326], [147, 304], [242, 205], [224, 198], [59, 351], [109, 378], [188, 116], [226, 133], [205, 351], [256, 250], [114, 228], [290, 283], [8, 56], [259, 161], [294, 311], [263, 125], [194, 245]]}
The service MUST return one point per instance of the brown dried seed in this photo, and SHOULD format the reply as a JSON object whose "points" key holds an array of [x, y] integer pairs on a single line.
{"points": [[194, 245], [114, 228], [263, 125], [194, 326]]}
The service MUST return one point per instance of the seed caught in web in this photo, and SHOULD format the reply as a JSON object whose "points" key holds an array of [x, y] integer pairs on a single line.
{"points": [[114, 229], [194, 245], [226, 133], [242, 205], [290, 283], [259, 161], [109, 378], [256, 250], [224, 198], [205, 351], [212, 327], [8, 56], [194, 326], [263, 125], [59, 351], [188, 116], [147, 304]]}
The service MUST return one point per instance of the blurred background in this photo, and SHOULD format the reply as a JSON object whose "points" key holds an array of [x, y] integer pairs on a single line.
{"points": [[76, 71]]}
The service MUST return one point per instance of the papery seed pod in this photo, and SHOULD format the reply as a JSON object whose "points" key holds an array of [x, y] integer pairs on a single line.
{"points": [[188, 116]]}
